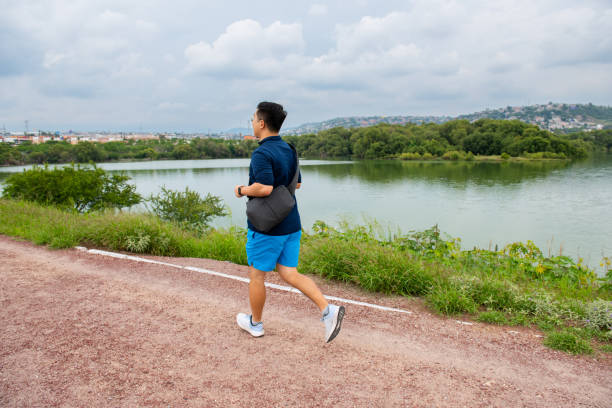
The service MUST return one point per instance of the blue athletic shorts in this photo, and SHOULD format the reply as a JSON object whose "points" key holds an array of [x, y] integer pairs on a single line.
{"points": [[265, 251]]}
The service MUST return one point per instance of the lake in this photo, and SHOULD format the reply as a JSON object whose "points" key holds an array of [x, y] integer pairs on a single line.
{"points": [[561, 206]]}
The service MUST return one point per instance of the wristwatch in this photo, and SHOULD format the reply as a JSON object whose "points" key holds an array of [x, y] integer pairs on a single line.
{"points": [[239, 190]]}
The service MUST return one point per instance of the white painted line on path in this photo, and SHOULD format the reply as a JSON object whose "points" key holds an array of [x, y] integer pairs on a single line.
{"points": [[238, 278]]}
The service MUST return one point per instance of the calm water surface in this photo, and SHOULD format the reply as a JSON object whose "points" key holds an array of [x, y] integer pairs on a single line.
{"points": [[561, 206]]}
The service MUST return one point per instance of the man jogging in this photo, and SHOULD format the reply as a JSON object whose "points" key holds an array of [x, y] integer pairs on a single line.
{"points": [[273, 164]]}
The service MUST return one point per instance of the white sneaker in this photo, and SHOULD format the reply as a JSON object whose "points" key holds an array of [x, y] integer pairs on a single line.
{"points": [[244, 322], [333, 321]]}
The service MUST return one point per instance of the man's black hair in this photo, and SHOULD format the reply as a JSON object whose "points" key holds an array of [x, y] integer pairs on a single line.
{"points": [[272, 114]]}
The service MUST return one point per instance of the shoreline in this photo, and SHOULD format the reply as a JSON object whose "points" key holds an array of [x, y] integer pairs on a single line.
{"points": [[435, 159]]}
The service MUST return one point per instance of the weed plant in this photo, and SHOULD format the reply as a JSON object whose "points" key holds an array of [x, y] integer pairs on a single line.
{"points": [[450, 300], [568, 342], [599, 315], [493, 317]]}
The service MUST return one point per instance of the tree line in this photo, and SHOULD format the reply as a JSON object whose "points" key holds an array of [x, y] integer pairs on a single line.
{"points": [[162, 149], [482, 137], [457, 139], [600, 140]]}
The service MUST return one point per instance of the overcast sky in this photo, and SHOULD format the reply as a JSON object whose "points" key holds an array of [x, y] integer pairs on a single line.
{"points": [[199, 65]]}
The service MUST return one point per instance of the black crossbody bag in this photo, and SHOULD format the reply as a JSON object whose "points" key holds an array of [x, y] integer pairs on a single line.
{"points": [[267, 212]]}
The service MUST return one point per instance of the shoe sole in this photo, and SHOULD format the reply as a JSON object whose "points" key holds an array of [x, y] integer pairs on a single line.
{"points": [[248, 330], [339, 318]]}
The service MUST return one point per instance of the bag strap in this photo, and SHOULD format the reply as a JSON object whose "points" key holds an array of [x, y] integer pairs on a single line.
{"points": [[293, 185]]}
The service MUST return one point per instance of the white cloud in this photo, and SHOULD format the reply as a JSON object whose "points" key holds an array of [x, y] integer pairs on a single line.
{"points": [[131, 66], [111, 18], [147, 26], [247, 48], [422, 56], [52, 58], [317, 10], [172, 106]]}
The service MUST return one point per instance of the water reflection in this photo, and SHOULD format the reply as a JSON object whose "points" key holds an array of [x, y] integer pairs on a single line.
{"points": [[455, 173]]}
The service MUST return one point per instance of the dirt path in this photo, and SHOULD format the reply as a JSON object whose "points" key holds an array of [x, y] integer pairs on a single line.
{"points": [[82, 330]]}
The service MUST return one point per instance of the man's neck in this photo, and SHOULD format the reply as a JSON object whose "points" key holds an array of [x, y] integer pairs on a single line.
{"points": [[267, 135]]}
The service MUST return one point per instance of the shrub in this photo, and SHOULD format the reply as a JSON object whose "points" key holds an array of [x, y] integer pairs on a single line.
{"points": [[427, 156], [553, 155], [599, 315], [410, 156], [539, 305], [452, 155], [187, 208], [538, 155], [505, 156], [568, 342], [83, 189]]}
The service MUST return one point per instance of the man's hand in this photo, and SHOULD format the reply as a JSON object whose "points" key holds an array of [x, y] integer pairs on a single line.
{"points": [[255, 190], [236, 191]]}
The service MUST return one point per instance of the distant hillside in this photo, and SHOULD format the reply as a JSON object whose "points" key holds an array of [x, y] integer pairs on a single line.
{"points": [[362, 121], [553, 116], [557, 117]]}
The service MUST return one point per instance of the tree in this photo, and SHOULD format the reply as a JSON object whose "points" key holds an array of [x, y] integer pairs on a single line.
{"points": [[82, 189], [187, 208], [86, 151], [183, 151]]}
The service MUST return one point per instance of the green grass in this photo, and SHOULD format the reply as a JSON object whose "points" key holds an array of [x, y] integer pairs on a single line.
{"points": [[493, 317], [568, 342], [516, 285], [519, 319], [367, 265], [140, 233], [450, 300], [606, 348]]}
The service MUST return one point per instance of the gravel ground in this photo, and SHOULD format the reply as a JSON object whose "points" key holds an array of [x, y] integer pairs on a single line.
{"points": [[84, 330]]}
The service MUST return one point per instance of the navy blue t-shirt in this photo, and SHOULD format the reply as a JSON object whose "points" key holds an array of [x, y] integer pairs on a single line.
{"points": [[273, 164]]}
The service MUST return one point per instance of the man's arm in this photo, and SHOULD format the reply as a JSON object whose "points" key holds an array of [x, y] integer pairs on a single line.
{"points": [[254, 190], [257, 190]]}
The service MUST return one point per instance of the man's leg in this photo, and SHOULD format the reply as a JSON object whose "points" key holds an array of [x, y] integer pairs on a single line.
{"points": [[332, 314], [303, 283], [257, 293]]}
